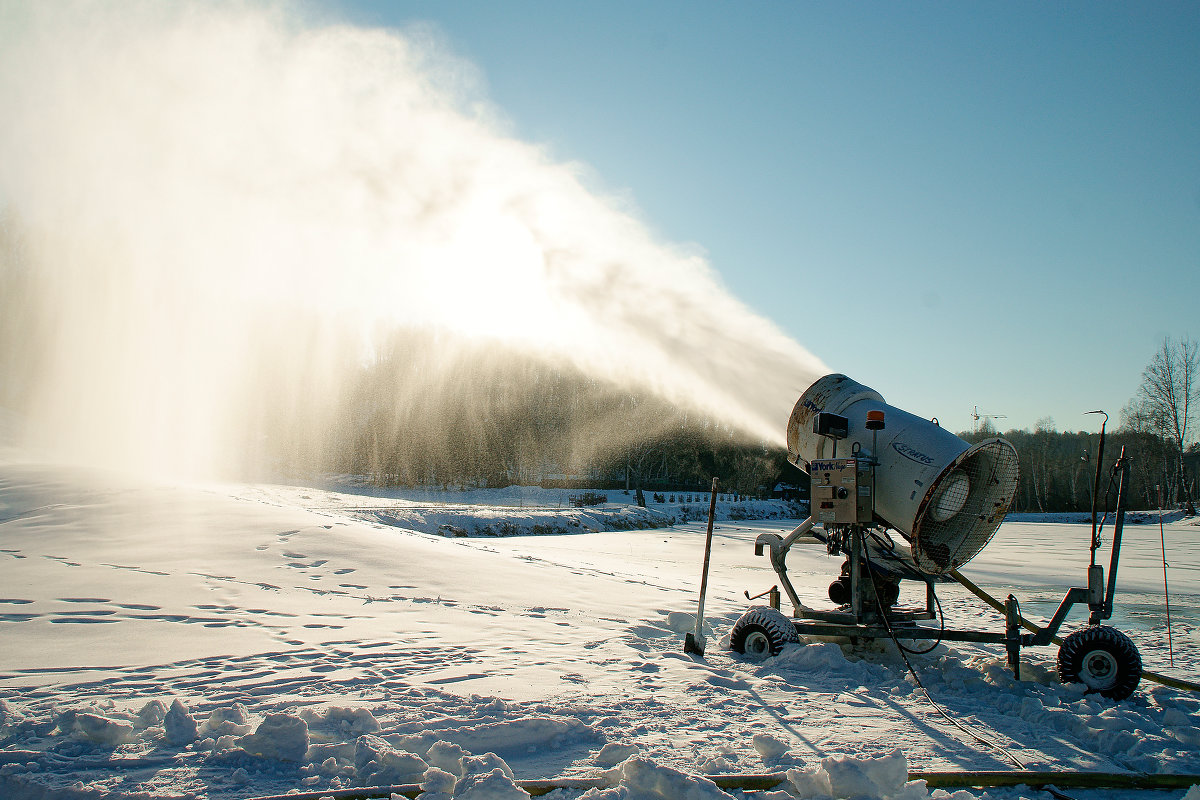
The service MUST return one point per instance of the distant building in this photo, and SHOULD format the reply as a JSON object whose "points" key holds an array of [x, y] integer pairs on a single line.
{"points": [[791, 484]]}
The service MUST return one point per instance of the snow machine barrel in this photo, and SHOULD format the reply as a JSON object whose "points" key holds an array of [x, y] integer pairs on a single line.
{"points": [[946, 497]]}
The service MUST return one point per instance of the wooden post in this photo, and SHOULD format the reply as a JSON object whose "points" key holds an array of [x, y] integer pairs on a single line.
{"points": [[694, 642]]}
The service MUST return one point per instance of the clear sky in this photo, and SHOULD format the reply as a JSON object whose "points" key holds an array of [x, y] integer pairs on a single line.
{"points": [[960, 205]]}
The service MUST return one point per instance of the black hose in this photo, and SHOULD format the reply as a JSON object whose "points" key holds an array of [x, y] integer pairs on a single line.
{"points": [[917, 679]]}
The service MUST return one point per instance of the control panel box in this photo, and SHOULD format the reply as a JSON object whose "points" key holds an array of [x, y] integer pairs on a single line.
{"points": [[841, 490]]}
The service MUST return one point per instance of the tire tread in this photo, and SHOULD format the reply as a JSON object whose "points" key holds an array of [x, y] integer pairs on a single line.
{"points": [[772, 622], [1122, 648]]}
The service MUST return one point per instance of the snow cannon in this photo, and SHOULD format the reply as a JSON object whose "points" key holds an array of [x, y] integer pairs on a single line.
{"points": [[946, 497], [902, 499]]}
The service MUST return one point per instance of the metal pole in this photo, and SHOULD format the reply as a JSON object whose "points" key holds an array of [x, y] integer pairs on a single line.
{"points": [[1096, 485], [1122, 468]]}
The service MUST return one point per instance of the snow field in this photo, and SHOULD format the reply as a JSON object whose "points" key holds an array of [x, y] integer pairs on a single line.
{"points": [[232, 642]]}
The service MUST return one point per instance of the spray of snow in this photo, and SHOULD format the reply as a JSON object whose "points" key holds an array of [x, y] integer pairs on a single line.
{"points": [[223, 202]]}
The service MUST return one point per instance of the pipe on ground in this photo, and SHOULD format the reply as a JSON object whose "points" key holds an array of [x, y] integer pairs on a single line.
{"points": [[751, 782]]}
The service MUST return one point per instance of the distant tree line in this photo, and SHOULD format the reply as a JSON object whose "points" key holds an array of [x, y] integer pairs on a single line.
{"points": [[1058, 469], [431, 410]]}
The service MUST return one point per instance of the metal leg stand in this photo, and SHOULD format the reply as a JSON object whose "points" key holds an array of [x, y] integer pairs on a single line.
{"points": [[1012, 635]]}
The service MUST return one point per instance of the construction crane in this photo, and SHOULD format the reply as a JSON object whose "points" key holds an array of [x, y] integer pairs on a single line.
{"points": [[976, 416]]}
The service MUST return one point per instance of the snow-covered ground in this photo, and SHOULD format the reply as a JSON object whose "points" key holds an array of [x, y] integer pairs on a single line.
{"points": [[237, 641]]}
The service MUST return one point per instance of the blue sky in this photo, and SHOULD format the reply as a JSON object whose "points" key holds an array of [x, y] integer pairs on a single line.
{"points": [[960, 205]]}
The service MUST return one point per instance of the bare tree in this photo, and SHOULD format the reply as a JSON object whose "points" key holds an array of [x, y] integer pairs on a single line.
{"points": [[1168, 397]]}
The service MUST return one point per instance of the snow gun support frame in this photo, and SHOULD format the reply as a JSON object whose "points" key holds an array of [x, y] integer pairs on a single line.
{"points": [[867, 591]]}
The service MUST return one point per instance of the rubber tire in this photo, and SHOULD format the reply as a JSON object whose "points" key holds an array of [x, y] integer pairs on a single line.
{"points": [[761, 632], [1102, 659]]}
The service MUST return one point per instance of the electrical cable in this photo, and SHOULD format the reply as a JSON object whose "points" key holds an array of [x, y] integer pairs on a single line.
{"points": [[917, 679], [941, 630], [941, 617], [885, 540]]}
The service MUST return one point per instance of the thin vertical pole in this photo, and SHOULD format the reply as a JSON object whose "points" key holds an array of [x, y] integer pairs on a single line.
{"points": [[694, 642], [1162, 539], [1096, 487]]}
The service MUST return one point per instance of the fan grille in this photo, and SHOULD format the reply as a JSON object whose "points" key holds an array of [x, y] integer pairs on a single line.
{"points": [[940, 545]]}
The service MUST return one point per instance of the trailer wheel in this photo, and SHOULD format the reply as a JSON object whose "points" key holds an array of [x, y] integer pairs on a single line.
{"points": [[761, 632], [1103, 659]]}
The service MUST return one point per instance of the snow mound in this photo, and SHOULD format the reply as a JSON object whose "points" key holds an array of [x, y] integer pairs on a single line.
{"points": [[226, 721], [883, 777], [612, 754], [768, 747], [280, 736], [377, 762], [642, 779], [341, 719], [102, 730], [495, 785], [179, 725]]}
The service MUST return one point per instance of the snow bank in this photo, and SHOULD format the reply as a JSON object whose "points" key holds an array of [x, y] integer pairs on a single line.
{"points": [[508, 735]]}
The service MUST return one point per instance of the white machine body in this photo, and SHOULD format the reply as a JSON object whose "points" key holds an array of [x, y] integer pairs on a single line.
{"points": [[946, 497]]}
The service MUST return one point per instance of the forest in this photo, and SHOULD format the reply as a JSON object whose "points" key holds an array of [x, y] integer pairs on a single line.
{"points": [[1058, 469]]}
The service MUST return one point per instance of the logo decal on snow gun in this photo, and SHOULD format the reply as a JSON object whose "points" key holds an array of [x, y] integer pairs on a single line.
{"points": [[831, 466], [911, 454]]}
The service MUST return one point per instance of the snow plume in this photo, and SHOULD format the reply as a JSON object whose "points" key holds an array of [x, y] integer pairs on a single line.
{"points": [[206, 209]]}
